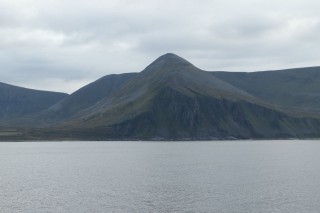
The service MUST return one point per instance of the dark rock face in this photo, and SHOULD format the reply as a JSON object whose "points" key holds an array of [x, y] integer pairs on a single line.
{"points": [[175, 116]]}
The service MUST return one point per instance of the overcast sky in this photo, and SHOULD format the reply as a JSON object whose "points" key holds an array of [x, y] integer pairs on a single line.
{"points": [[62, 45]]}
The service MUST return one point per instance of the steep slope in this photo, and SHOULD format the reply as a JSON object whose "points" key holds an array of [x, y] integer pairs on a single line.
{"points": [[172, 99], [91, 94], [17, 101], [173, 115], [298, 89], [168, 71], [79, 100]]}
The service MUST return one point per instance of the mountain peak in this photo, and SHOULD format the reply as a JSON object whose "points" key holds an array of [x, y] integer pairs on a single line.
{"points": [[169, 60], [170, 56]]}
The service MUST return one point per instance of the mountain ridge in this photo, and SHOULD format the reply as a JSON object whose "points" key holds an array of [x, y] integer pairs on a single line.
{"points": [[171, 99], [296, 88], [18, 101]]}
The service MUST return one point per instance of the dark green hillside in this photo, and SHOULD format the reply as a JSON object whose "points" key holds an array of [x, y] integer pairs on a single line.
{"points": [[91, 94], [77, 101], [172, 99], [168, 71], [17, 101], [173, 115], [292, 88]]}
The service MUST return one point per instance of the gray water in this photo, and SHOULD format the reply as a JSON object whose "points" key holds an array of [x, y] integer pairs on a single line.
{"points": [[224, 176]]}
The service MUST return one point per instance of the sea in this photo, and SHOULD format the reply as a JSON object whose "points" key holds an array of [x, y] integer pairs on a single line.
{"points": [[198, 176]]}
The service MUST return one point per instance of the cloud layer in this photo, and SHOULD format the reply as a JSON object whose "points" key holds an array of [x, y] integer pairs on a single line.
{"points": [[62, 45]]}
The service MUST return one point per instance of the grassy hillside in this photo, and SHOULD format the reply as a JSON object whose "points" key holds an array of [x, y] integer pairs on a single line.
{"points": [[172, 99], [16, 102], [293, 88]]}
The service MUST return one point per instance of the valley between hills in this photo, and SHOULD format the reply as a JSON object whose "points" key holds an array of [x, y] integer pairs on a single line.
{"points": [[171, 99]]}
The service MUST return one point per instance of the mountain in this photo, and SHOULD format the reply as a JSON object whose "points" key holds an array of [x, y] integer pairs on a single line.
{"points": [[16, 102], [295, 89], [72, 105], [173, 99]]}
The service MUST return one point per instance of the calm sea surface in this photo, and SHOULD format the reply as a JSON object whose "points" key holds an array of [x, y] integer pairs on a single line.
{"points": [[224, 176]]}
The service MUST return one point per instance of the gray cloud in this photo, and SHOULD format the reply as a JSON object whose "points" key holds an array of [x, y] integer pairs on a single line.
{"points": [[62, 45]]}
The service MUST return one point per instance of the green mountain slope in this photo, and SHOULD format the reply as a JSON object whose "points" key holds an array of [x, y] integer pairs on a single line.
{"points": [[168, 71], [17, 101], [297, 89], [83, 98], [172, 99], [91, 94], [173, 115]]}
